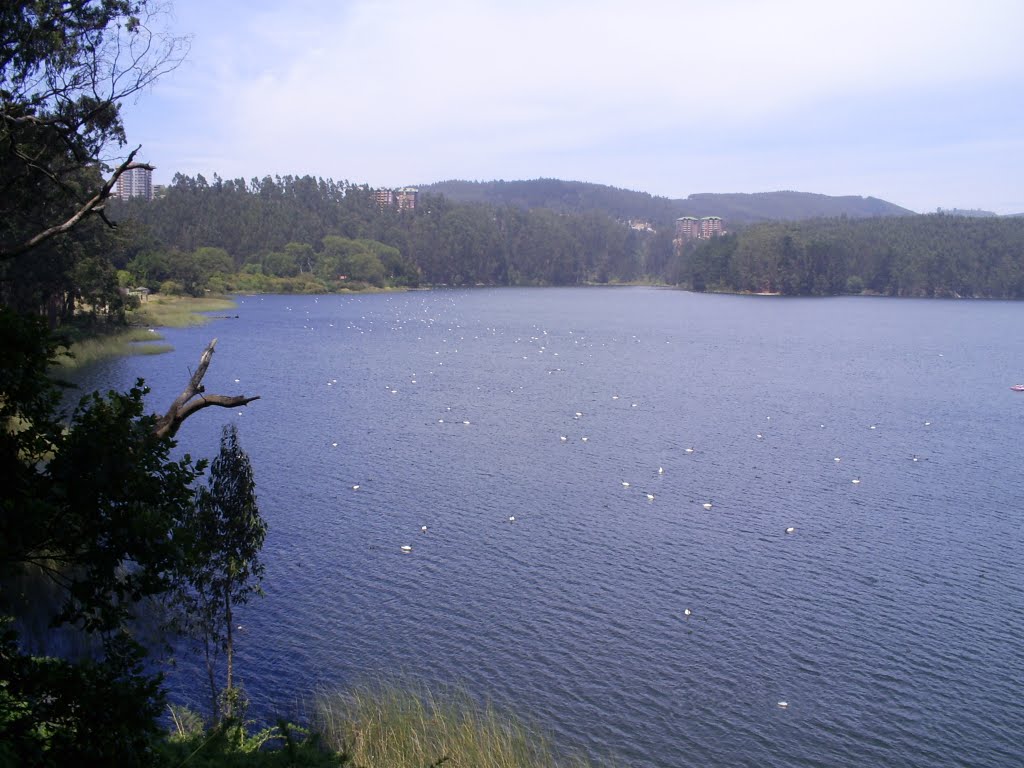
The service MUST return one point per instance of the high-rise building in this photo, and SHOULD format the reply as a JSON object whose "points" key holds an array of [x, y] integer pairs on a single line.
{"points": [[135, 182], [710, 226], [692, 228], [385, 197], [406, 198], [687, 227]]}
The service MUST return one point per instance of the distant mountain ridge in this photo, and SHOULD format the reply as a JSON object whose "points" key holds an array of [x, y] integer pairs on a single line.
{"points": [[736, 208]]}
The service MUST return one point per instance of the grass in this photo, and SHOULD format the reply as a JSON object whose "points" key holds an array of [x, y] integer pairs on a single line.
{"points": [[381, 725], [134, 341], [177, 311], [141, 337]]}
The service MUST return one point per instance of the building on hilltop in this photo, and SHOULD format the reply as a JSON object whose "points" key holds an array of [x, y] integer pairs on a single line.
{"points": [[692, 228], [135, 182], [406, 198], [403, 199], [710, 226]]}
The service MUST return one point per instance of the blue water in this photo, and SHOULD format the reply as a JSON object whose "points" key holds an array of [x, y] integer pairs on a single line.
{"points": [[891, 620]]}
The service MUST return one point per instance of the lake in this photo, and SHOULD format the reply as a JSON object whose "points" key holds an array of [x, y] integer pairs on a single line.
{"points": [[666, 633]]}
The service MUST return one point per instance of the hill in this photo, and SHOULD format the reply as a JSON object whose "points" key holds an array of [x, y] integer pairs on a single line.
{"points": [[624, 204]]}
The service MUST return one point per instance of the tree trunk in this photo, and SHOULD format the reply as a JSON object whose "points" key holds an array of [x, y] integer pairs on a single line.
{"points": [[230, 650]]}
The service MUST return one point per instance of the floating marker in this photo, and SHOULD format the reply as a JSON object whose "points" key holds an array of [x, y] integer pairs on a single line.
{"points": [[707, 505], [406, 548], [783, 704], [791, 529]]}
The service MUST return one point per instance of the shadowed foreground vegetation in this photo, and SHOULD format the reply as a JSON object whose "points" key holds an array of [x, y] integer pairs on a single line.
{"points": [[375, 726], [99, 342], [380, 725]]}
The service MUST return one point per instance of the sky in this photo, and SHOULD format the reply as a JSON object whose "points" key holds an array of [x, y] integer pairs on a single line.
{"points": [[920, 103]]}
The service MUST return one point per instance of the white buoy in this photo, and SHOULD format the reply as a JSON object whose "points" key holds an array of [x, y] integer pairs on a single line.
{"points": [[334, 445], [584, 439], [836, 459], [563, 438], [406, 548], [625, 484], [687, 612], [355, 487], [760, 436], [423, 528], [855, 480], [661, 470], [650, 497], [783, 704], [791, 529], [707, 505], [511, 518]]}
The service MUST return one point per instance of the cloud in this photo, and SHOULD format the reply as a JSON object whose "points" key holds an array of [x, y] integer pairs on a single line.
{"points": [[396, 91]]}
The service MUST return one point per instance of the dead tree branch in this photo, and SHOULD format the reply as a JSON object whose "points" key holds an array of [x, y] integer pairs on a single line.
{"points": [[194, 398], [94, 204]]}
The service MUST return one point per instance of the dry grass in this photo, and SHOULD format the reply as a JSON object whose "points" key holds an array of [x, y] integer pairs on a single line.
{"points": [[134, 341], [177, 311], [380, 725]]}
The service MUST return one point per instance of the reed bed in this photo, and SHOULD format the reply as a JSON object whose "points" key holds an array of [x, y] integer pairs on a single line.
{"points": [[177, 311], [380, 726], [134, 341]]}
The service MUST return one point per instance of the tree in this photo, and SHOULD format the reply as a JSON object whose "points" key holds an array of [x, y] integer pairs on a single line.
{"points": [[228, 533], [65, 68]]}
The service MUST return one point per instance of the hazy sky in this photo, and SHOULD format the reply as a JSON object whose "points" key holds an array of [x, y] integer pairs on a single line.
{"points": [[919, 103]]}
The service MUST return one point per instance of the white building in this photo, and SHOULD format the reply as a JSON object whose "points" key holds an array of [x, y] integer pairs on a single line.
{"points": [[135, 182]]}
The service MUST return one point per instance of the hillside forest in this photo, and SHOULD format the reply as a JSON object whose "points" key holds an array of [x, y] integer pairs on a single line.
{"points": [[300, 234]]}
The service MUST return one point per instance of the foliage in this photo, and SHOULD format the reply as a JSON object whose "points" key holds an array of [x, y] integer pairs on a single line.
{"points": [[935, 256], [64, 69], [230, 744], [382, 725], [93, 505], [226, 533], [576, 197]]}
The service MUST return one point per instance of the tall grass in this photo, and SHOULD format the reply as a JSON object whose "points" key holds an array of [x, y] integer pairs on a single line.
{"points": [[177, 311], [161, 311], [382, 725], [134, 341]]}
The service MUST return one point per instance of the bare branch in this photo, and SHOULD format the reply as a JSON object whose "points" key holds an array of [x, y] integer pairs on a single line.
{"points": [[93, 205], [193, 398]]}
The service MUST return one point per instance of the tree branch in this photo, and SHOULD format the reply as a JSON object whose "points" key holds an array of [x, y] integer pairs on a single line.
{"points": [[186, 403], [93, 205]]}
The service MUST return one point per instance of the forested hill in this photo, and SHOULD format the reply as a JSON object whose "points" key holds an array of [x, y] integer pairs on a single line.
{"points": [[561, 197], [936, 256], [624, 204], [317, 235], [743, 208]]}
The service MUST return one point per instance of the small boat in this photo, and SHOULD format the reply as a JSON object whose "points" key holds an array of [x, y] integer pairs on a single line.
{"points": [[1018, 387]]}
